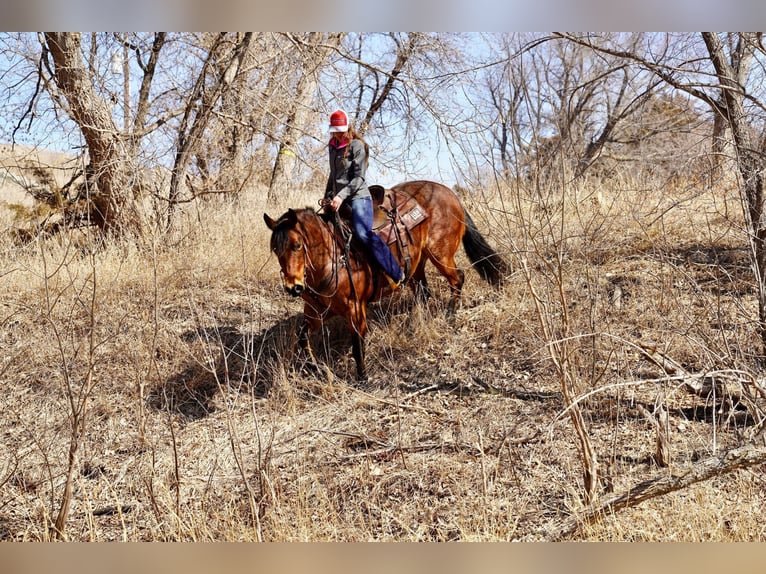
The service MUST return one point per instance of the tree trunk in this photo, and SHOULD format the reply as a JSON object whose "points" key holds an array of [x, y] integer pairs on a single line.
{"points": [[232, 174], [718, 147], [111, 167], [403, 53], [216, 77], [737, 458], [732, 76], [319, 49]]}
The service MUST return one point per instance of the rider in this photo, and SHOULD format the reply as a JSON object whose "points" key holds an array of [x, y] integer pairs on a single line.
{"points": [[349, 156]]}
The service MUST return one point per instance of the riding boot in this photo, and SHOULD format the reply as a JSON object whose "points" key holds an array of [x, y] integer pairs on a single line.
{"points": [[397, 283]]}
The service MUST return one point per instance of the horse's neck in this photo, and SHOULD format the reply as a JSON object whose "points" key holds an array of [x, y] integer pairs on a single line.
{"points": [[326, 230], [336, 253], [326, 252]]}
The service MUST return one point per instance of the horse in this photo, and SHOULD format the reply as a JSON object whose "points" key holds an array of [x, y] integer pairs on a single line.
{"points": [[332, 280]]}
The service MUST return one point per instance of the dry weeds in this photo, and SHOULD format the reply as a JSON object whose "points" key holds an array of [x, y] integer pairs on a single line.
{"points": [[200, 426]]}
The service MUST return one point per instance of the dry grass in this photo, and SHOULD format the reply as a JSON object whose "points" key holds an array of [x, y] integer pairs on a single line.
{"points": [[201, 427]]}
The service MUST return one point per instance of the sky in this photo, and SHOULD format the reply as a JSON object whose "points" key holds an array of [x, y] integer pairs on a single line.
{"points": [[437, 163]]}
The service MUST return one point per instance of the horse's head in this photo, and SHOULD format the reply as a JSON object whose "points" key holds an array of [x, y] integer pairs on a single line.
{"points": [[289, 245]]}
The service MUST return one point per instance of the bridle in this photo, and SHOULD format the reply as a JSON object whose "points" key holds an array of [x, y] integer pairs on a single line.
{"points": [[334, 228]]}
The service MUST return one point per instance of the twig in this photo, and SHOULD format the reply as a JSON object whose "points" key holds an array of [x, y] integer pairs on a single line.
{"points": [[399, 405], [724, 383], [659, 420], [114, 509], [524, 439], [421, 391], [392, 448]]}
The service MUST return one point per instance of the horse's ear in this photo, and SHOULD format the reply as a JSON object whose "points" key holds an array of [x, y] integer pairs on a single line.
{"points": [[270, 223], [291, 216]]}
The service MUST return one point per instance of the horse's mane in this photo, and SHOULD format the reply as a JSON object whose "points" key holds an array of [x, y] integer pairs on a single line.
{"points": [[286, 222]]}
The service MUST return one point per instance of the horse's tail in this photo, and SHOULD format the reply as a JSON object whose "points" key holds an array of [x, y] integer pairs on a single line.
{"points": [[485, 260]]}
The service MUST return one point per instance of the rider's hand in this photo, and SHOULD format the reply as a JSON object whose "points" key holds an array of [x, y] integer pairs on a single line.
{"points": [[335, 203]]}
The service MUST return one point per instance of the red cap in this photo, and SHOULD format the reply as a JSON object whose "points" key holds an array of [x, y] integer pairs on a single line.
{"points": [[338, 121]]}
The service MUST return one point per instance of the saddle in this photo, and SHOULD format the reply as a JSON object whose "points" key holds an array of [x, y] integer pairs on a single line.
{"points": [[394, 215]]}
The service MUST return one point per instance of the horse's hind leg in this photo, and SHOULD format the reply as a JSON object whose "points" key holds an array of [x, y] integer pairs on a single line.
{"points": [[445, 263]]}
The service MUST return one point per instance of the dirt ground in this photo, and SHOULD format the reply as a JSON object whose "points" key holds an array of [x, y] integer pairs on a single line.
{"points": [[172, 368]]}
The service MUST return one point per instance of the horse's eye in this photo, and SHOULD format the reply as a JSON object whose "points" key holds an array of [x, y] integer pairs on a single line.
{"points": [[297, 246]]}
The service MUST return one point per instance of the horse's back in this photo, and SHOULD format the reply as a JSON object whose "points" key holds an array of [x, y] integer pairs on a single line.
{"points": [[430, 194], [445, 213]]}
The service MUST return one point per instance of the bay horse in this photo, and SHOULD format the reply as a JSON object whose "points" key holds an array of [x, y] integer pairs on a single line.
{"points": [[314, 267]]}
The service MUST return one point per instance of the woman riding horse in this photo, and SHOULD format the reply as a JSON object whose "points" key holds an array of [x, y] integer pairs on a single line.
{"points": [[314, 265], [349, 157]]}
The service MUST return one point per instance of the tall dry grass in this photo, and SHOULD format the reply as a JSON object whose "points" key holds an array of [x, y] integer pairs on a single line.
{"points": [[199, 425]]}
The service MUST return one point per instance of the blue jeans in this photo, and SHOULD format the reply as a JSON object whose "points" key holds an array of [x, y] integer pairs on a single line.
{"points": [[361, 222]]}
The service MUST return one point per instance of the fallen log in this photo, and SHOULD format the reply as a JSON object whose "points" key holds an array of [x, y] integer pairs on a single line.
{"points": [[734, 459], [732, 386]]}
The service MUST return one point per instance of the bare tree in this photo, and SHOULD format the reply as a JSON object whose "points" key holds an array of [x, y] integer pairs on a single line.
{"points": [[617, 110], [384, 82], [314, 49], [719, 76], [505, 89], [219, 70], [128, 126], [149, 68], [732, 74], [553, 109], [379, 78], [112, 168], [400, 88]]}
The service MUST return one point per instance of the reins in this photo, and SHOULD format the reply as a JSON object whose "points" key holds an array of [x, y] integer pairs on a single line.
{"points": [[345, 258]]}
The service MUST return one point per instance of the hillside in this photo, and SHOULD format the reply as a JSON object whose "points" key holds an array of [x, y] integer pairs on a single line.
{"points": [[174, 361], [23, 167]]}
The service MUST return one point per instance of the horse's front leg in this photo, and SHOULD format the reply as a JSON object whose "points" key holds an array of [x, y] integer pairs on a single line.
{"points": [[357, 324], [357, 345]]}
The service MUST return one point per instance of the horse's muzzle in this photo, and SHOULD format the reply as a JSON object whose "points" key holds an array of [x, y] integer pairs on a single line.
{"points": [[295, 290]]}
